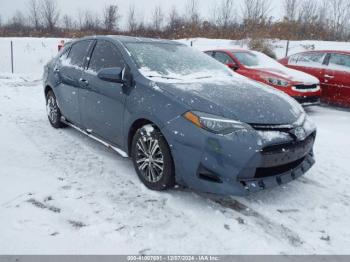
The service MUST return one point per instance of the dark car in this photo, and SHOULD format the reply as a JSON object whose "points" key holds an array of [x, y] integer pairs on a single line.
{"points": [[180, 115], [303, 87], [332, 68]]}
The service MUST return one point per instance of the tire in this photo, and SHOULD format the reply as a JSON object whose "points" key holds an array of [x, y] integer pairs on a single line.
{"points": [[53, 112], [155, 170]]}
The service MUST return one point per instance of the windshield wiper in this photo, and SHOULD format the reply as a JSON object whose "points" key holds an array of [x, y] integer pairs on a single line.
{"points": [[165, 77]]}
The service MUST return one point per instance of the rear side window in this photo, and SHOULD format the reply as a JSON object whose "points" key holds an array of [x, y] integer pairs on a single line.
{"points": [[105, 55], [339, 62], [223, 58], [209, 53], [307, 59], [78, 52], [65, 52]]}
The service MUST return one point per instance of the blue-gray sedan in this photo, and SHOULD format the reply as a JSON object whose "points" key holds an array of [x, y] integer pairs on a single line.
{"points": [[181, 116]]}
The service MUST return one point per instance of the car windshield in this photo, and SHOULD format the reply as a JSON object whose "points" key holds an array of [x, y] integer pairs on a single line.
{"points": [[256, 59], [174, 61]]}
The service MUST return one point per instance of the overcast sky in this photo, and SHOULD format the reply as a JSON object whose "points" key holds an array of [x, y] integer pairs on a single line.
{"points": [[144, 7]]}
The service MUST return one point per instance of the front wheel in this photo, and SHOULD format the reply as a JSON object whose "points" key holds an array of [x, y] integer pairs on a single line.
{"points": [[152, 159], [52, 110]]}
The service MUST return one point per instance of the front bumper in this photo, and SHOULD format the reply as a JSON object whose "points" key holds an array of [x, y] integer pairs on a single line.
{"points": [[239, 163], [308, 100]]}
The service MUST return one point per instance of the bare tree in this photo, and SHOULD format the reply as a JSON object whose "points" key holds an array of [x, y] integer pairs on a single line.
{"points": [[68, 22], [18, 21], [322, 13], [111, 17], [308, 12], [90, 21], [223, 13], [34, 13], [131, 20], [256, 11], [174, 17], [290, 9], [158, 18], [339, 15], [50, 14], [175, 22], [192, 9]]}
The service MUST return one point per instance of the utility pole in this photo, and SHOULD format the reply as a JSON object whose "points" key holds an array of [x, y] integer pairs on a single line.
{"points": [[11, 56]]}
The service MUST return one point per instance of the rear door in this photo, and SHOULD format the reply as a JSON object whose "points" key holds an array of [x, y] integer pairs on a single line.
{"points": [[102, 103], [337, 79], [68, 70]]}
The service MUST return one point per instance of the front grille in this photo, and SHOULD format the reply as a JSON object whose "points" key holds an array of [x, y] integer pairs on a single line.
{"points": [[281, 158], [280, 148], [304, 87], [277, 170], [308, 100]]}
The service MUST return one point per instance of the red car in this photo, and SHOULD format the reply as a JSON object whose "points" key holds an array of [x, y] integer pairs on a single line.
{"points": [[259, 67], [332, 68]]}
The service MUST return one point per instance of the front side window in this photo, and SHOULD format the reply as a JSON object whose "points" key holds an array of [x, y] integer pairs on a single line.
{"points": [[307, 59], [254, 59], [247, 59], [78, 53], [339, 62], [174, 61], [223, 58], [105, 55]]}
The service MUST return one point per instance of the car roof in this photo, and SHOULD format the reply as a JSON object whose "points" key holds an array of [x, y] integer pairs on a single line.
{"points": [[229, 50], [326, 51], [130, 39]]}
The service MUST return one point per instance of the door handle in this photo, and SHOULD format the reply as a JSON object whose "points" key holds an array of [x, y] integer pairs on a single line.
{"points": [[328, 76], [84, 82]]}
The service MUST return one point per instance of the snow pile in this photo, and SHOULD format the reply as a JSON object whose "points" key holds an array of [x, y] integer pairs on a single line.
{"points": [[279, 45], [31, 54]]}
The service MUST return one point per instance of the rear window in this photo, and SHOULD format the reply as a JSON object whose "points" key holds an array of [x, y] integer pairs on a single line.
{"points": [[78, 52]]}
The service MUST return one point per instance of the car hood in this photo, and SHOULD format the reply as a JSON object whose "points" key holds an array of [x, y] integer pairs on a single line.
{"points": [[288, 74], [236, 98]]}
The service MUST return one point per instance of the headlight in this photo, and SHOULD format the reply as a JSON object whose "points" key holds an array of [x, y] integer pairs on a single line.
{"points": [[215, 124], [277, 82]]}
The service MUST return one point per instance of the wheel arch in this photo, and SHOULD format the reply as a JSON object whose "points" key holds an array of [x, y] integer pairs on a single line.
{"points": [[47, 89], [134, 127]]}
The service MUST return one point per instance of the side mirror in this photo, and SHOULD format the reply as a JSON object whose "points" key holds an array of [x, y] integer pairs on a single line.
{"points": [[113, 74], [232, 66]]}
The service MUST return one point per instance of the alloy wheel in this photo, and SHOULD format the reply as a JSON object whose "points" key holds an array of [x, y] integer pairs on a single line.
{"points": [[52, 109], [149, 158]]}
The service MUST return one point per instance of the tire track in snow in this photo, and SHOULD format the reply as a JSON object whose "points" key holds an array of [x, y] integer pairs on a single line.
{"points": [[279, 231]]}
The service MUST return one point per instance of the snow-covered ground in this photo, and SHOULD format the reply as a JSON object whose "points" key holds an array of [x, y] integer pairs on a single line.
{"points": [[30, 54], [61, 192]]}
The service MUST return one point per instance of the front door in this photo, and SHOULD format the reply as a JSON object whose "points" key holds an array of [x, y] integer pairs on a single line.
{"points": [[102, 103], [312, 63]]}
